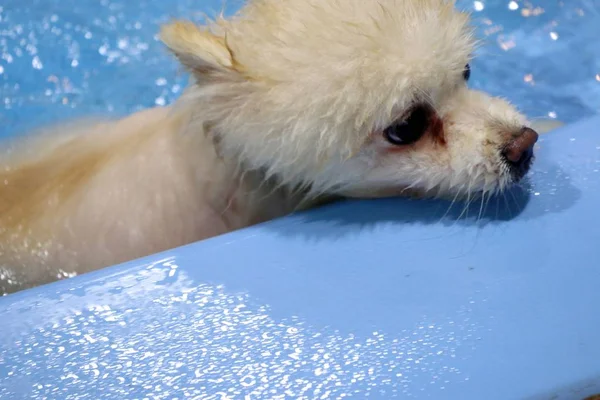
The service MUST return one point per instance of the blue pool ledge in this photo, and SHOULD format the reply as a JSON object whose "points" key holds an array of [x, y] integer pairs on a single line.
{"points": [[378, 299]]}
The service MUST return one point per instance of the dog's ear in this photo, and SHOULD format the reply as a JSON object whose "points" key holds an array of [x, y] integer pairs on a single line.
{"points": [[202, 52]]}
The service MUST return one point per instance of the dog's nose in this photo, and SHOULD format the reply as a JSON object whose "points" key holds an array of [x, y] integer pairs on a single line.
{"points": [[519, 151]]}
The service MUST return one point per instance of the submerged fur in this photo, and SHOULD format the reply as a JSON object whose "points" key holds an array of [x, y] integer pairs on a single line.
{"points": [[119, 190], [288, 104]]}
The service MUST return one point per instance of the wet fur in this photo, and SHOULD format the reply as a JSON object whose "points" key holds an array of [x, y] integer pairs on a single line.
{"points": [[287, 106]]}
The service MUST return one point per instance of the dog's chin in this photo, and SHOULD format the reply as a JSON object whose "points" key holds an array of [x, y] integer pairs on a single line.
{"points": [[398, 192], [466, 192], [384, 192]]}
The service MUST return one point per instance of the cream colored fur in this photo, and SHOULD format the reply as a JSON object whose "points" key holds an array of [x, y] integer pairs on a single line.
{"points": [[288, 104]]}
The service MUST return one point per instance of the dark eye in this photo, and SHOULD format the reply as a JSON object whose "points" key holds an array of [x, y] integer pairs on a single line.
{"points": [[467, 72], [410, 130]]}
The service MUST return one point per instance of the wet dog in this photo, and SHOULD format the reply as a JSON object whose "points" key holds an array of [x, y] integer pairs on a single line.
{"points": [[292, 101]]}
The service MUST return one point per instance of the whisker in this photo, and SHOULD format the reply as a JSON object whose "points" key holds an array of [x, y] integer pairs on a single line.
{"points": [[506, 203], [450, 206], [487, 203], [469, 201], [477, 227], [515, 199], [465, 209], [497, 205], [481, 208]]}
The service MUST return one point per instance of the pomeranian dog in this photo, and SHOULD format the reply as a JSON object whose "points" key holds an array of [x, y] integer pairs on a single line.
{"points": [[292, 101]]}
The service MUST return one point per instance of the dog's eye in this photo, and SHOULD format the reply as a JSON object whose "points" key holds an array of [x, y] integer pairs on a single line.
{"points": [[467, 72], [410, 130]]}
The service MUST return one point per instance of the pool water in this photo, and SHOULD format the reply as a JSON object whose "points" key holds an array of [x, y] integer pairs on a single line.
{"points": [[64, 58]]}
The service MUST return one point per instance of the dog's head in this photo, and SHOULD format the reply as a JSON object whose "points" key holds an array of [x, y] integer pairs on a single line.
{"points": [[360, 98]]}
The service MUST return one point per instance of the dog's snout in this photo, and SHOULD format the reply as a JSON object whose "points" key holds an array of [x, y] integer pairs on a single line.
{"points": [[520, 148], [518, 152]]}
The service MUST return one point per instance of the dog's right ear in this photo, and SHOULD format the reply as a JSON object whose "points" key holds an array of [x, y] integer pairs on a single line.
{"points": [[202, 52]]}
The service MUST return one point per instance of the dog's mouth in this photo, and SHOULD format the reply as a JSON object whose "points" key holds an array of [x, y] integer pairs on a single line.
{"points": [[518, 171]]}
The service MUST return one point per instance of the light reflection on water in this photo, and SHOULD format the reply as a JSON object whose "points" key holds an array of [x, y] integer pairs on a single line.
{"points": [[56, 61]]}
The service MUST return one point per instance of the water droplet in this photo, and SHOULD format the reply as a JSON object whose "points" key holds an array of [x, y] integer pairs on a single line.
{"points": [[247, 381], [37, 63]]}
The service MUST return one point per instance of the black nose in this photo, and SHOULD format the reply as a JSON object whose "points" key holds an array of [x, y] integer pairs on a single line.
{"points": [[518, 152]]}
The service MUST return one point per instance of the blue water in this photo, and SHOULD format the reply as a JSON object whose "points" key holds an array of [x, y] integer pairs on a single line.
{"points": [[63, 58]]}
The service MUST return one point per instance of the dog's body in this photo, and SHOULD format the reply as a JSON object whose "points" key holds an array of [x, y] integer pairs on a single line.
{"points": [[292, 100], [111, 191]]}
